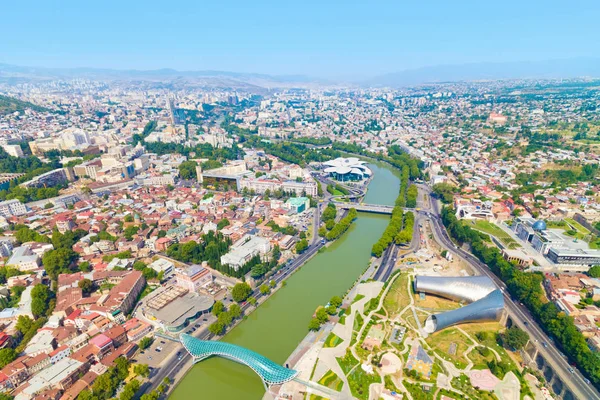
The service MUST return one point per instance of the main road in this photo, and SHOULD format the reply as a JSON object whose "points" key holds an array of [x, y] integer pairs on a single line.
{"points": [[574, 381], [175, 363]]}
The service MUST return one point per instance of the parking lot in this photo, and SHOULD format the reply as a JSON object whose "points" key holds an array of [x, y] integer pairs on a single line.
{"points": [[161, 348], [157, 352]]}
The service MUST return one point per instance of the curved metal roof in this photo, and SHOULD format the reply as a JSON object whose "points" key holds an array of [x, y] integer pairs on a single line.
{"points": [[270, 372], [489, 308], [457, 288]]}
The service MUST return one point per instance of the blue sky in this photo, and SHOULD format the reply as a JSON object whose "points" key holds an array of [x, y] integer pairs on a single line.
{"points": [[318, 38]]}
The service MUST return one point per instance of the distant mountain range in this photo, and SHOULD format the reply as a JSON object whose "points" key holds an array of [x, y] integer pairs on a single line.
{"points": [[209, 78], [565, 68]]}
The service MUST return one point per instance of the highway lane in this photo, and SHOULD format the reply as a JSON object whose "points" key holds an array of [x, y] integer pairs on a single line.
{"points": [[575, 381]]}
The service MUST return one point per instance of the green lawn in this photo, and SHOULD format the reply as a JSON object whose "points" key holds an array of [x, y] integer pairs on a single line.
{"points": [[494, 230], [332, 340], [359, 382], [580, 228], [442, 341], [418, 393], [358, 297], [332, 381], [358, 321], [347, 362], [397, 297]]}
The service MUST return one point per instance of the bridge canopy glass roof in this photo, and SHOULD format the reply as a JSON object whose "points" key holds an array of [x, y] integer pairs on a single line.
{"points": [[269, 371]]}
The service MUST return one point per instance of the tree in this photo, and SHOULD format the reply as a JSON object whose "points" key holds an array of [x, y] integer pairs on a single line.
{"points": [[129, 390], [444, 191], [235, 310], [515, 338], [276, 252], [322, 316], [85, 267], [594, 271], [241, 291], [223, 223], [314, 325], [331, 310], [335, 301], [252, 300], [142, 370], [139, 265], [187, 170], [86, 286], [216, 328], [264, 289], [218, 308], [301, 246], [40, 296], [7, 356], [145, 342], [58, 261], [24, 324], [225, 318]]}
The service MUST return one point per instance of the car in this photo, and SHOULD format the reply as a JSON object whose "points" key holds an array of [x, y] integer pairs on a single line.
{"points": [[162, 342], [197, 325], [545, 344], [193, 329], [204, 319], [571, 370], [586, 380]]}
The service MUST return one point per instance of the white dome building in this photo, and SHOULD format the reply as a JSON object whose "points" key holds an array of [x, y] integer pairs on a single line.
{"points": [[347, 169]]}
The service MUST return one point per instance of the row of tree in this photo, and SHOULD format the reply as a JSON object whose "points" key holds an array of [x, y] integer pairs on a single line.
{"points": [[527, 288], [341, 227], [406, 234], [224, 317], [322, 314], [393, 228], [407, 197]]}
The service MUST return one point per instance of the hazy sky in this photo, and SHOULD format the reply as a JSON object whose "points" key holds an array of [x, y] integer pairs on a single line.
{"points": [[319, 38]]}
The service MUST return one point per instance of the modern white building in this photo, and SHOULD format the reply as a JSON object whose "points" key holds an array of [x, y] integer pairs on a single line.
{"points": [[347, 169], [9, 208], [162, 265], [24, 259], [244, 249]]}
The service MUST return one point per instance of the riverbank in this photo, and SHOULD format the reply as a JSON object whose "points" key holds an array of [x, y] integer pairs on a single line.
{"points": [[276, 328]]}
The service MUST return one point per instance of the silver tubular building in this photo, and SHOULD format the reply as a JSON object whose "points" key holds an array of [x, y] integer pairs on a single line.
{"points": [[489, 308], [457, 288]]}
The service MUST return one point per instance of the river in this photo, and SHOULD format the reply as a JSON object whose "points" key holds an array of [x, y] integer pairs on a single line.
{"points": [[278, 325]]}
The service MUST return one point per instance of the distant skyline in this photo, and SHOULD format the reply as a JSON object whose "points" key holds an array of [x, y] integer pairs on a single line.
{"points": [[329, 39]]}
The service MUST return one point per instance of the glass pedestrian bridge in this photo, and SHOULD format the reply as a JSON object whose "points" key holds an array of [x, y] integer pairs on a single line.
{"points": [[270, 372]]}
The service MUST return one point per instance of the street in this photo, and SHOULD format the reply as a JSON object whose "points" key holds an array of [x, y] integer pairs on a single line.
{"points": [[575, 381]]}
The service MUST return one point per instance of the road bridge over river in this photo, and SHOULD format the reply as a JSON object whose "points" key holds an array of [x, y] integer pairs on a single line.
{"points": [[372, 208]]}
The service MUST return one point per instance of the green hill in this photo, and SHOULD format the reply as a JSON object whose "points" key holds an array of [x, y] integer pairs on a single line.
{"points": [[10, 104]]}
